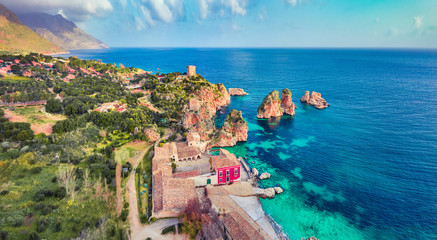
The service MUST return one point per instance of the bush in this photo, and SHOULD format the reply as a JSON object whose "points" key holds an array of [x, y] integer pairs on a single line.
{"points": [[169, 229], [34, 236], [124, 214], [4, 192], [60, 193], [143, 218], [41, 226]]}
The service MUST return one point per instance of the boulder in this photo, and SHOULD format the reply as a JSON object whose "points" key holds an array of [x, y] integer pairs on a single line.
{"points": [[255, 172], [152, 133], [278, 190], [269, 193], [287, 104], [237, 92], [264, 176], [271, 106]]}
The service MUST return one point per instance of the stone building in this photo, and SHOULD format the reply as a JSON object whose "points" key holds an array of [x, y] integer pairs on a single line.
{"points": [[191, 70], [227, 167]]}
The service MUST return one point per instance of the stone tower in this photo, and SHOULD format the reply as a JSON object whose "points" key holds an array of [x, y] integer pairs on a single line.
{"points": [[191, 70]]}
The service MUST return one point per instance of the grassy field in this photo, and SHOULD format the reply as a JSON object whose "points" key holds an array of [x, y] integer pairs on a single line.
{"points": [[13, 78], [41, 121], [30, 203]]}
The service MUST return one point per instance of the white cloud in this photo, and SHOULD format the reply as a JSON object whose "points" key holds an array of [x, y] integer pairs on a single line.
{"points": [[147, 16], [167, 11], [123, 3], [292, 2], [219, 7], [418, 21], [139, 24], [74, 9]]}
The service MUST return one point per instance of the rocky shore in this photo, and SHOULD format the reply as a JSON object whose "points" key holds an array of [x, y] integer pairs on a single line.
{"points": [[314, 100]]}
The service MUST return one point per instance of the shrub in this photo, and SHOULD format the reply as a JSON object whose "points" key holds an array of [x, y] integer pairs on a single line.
{"points": [[4, 192], [60, 193], [41, 226], [36, 170], [34, 236], [143, 218], [169, 229], [124, 214], [58, 226]]}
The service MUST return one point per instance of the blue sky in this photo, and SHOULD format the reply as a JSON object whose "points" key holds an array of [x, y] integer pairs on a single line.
{"points": [[251, 23]]}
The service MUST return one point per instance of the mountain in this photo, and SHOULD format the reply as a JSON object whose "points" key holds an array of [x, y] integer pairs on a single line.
{"points": [[15, 37], [60, 31]]}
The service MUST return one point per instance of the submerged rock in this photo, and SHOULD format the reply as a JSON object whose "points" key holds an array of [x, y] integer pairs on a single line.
{"points": [[312, 238], [234, 130], [264, 176], [315, 100], [237, 92], [271, 106], [287, 104]]}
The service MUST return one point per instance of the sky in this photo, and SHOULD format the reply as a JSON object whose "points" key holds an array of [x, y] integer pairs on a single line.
{"points": [[249, 23]]}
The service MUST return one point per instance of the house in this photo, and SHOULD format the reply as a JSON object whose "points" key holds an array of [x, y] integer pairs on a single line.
{"points": [[169, 195], [191, 70], [227, 167]]}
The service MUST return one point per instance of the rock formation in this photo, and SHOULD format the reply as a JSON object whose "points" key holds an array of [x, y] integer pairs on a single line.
{"points": [[199, 113], [237, 92], [152, 133], [287, 103], [315, 100], [278, 190], [255, 172], [265, 193], [312, 238], [305, 98], [271, 106], [234, 130], [264, 176]]}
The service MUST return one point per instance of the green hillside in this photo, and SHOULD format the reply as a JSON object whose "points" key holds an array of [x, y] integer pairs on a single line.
{"points": [[17, 38]]}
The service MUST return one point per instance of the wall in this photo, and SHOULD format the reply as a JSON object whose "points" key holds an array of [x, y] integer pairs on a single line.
{"points": [[232, 176]]}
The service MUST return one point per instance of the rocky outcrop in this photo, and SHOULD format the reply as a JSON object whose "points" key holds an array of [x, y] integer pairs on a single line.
{"points": [[315, 100], [287, 104], [278, 190], [152, 133], [264, 176], [234, 130], [199, 118], [305, 98], [312, 238], [271, 106], [255, 172], [265, 193], [237, 92]]}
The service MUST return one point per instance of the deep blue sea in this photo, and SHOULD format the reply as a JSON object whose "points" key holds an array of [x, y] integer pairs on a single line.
{"points": [[364, 168]]}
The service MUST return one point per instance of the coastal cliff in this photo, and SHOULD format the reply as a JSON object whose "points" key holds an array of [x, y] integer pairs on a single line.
{"points": [[314, 100], [199, 113], [287, 102], [271, 106], [234, 130]]}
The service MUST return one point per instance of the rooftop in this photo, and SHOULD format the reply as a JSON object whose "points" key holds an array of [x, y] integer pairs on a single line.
{"points": [[225, 159]]}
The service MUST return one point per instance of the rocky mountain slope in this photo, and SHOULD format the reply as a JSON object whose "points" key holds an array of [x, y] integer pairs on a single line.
{"points": [[234, 130], [15, 37], [60, 31]]}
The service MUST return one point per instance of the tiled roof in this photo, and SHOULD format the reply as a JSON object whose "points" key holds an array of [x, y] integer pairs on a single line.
{"points": [[193, 137], [187, 174], [225, 159]]}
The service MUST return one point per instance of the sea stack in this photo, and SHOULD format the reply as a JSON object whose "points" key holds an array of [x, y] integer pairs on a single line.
{"points": [[287, 102], [314, 100], [234, 130], [271, 106], [237, 92]]}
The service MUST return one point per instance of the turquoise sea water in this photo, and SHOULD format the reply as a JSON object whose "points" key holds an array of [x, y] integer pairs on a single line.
{"points": [[364, 168]]}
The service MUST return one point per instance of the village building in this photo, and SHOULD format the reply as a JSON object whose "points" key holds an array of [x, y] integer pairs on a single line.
{"points": [[191, 71], [111, 106], [169, 195], [227, 167]]}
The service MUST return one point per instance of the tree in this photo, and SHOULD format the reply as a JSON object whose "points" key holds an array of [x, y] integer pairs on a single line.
{"points": [[60, 66], [53, 106], [67, 179], [16, 68], [24, 135], [77, 107]]}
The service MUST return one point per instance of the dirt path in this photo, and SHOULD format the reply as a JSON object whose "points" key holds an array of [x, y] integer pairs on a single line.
{"points": [[119, 204], [154, 231], [134, 218]]}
